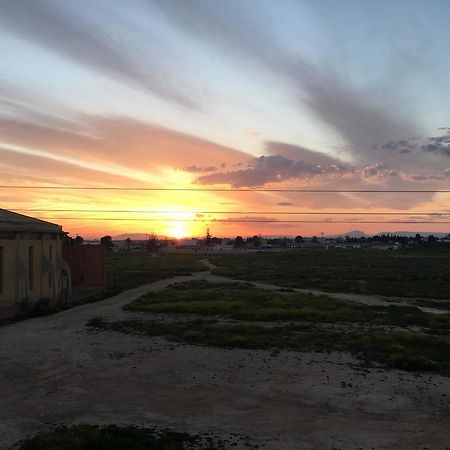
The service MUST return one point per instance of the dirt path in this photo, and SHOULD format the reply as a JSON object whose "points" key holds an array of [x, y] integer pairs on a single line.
{"points": [[53, 370]]}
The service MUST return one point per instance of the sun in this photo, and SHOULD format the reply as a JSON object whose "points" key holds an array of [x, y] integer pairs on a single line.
{"points": [[181, 225], [177, 229]]}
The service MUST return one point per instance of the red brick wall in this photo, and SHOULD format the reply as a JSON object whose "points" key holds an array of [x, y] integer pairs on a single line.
{"points": [[87, 264]]}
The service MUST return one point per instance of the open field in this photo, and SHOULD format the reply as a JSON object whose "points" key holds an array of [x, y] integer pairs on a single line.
{"points": [[415, 273], [243, 301], [389, 335], [128, 270], [218, 364]]}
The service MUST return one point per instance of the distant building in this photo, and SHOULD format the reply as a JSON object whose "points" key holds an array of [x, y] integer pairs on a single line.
{"points": [[188, 244], [31, 262]]}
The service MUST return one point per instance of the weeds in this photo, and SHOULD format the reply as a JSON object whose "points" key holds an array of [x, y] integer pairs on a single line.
{"points": [[402, 350], [112, 437], [409, 274], [243, 302]]}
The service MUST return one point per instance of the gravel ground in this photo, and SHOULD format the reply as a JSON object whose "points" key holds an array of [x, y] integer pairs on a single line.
{"points": [[54, 370]]}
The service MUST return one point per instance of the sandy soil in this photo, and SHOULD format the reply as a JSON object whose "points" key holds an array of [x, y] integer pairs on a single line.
{"points": [[54, 370]]}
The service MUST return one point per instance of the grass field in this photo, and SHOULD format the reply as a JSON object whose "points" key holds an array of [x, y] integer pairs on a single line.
{"points": [[412, 273], [128, 270], [243, 302], [240, 316]]}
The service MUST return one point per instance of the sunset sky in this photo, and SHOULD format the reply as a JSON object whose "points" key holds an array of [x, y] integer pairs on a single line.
{"points": [[229, 94]]}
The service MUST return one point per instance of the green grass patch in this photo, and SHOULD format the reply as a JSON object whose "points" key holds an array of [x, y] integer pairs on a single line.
{"points": [[404, 274], [112, 437], [301, 337], [403, 350], [241, 301]]}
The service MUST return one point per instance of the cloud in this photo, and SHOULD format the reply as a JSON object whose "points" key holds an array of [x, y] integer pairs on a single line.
{"points": [[298, 153], [280, 172], [247, 219], [270, 169], [26, 168], [354, 113], [439, 145], [74, 35], [402, 146], [199, 169], [251, 225], [118, 141], [278, 169]]}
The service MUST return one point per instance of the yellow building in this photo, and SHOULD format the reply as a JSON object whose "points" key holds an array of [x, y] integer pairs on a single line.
{"points": [[31, 262]]}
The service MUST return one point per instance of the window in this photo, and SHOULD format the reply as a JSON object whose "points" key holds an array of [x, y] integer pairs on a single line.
{"points": [[1, 270], [31, 267], [10, 235], [31, 236], [49, 236]]}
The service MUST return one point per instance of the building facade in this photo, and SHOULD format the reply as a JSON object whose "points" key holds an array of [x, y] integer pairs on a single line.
{"points": [[31, 262], [87, 265]]}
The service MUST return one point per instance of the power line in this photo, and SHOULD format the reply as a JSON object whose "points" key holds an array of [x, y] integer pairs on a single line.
{"points": [[137, 211], [122, 219], [329, 191]]}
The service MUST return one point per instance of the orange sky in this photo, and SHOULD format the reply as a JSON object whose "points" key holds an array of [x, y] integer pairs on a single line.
{"points": [[213, 95]]}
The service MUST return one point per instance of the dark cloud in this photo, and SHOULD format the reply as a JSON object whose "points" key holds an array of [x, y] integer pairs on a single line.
{"points": [[440, 145], [199, 169], [80, 38], [285, 204], [298, 153], [278, 169], [401, 146], [269, 169]]}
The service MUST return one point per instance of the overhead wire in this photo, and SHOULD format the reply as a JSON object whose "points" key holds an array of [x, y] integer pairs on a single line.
{"points": [[304, 190]]}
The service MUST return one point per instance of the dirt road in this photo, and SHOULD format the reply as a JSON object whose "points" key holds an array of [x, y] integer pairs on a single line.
{"points": [[54, 370]]}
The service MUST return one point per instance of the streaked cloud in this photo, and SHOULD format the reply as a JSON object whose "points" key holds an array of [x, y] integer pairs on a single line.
{"points": [[119, 141], [74, 33], [354, 113]]}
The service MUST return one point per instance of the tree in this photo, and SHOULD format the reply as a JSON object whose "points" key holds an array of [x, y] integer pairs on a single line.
{"points": [[314, 239], [256, 241], [299, 239], [208, 238], [239, 242], [431, 239], [79, 240], [128, 243], [151, 242], [107, 240]]}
